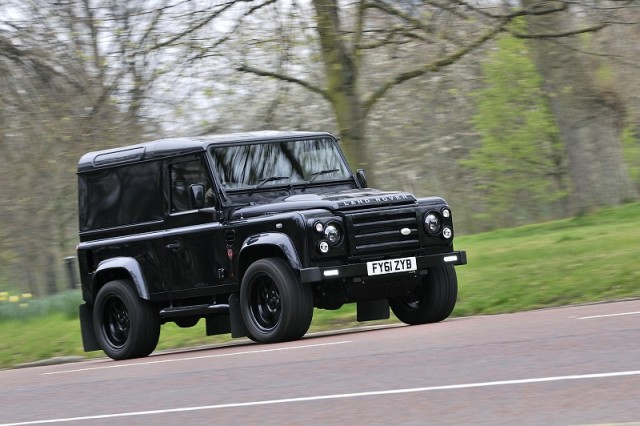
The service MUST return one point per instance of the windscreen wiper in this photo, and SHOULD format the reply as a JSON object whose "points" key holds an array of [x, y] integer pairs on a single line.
{"points": [[316, 174], [267, 179]]}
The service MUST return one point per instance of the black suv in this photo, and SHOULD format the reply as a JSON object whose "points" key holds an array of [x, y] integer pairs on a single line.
{"points": [[250, 231]]}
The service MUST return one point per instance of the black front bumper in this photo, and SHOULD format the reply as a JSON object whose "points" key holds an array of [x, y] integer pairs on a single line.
{"points": [[311, 275]]}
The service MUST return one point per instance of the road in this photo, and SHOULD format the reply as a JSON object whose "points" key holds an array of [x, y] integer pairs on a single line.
{"points": [[563, 366]]}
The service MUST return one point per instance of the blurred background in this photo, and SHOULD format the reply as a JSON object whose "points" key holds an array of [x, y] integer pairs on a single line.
{"points": [[516, 112]]}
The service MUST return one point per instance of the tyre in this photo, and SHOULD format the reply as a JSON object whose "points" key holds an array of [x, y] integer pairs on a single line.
{"points": [[431, 301], [125, 325], [275, 306]]}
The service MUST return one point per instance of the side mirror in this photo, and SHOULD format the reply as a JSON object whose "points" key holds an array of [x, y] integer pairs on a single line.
{"points": [[361, 178], [196, 196]]}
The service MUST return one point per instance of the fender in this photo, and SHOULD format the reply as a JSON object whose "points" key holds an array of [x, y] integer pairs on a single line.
{"points": [[131, 266], [277, 239]]}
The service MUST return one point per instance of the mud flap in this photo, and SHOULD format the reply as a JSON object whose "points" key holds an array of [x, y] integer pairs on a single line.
{"points": [[373, 310], [89, 341], [238, 329], [218, 324]]}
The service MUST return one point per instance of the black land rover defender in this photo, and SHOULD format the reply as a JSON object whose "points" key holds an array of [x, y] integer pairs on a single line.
{"points": [[250, 231]]}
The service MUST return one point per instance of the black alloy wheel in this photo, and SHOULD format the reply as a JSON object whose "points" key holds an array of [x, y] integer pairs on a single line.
{"points": [[125, 325], [266, 305], [116, 321], [275, 306], [432, 300]]}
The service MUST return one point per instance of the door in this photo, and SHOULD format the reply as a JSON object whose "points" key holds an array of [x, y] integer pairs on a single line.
{"points": [[191, 268]]}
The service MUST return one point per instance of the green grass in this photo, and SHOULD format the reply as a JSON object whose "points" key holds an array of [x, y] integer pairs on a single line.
{"points": [[585, 259]]}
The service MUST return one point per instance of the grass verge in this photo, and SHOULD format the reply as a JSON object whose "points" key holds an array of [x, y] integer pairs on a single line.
{"points": [[585, 259]]}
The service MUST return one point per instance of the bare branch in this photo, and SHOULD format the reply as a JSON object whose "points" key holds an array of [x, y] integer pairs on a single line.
{"points": [[520, 12], [433, 66], [37, 61], [284, 77], [591, 29], [394, 36], [393, 11], [225, 7], [204, 52], [196, 27]]}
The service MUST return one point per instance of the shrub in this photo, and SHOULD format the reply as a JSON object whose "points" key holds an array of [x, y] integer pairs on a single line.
{"points": [[25, 306]]}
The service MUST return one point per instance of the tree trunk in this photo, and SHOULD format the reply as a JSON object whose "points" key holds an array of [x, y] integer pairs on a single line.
{"points": [[589, 116], [52, 287], [341, 70]]}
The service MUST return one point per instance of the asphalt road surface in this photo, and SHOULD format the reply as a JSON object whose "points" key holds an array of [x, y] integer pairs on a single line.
{"points": [[565, 366]]}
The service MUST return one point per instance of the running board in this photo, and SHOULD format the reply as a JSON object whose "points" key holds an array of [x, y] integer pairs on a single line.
{"points": [[195, 310]]}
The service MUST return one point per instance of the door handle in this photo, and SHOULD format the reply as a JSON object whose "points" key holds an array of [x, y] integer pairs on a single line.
{"points": [[176, 245]]}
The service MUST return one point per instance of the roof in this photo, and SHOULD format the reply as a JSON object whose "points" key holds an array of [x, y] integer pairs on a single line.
{"points": [[176, 146]]}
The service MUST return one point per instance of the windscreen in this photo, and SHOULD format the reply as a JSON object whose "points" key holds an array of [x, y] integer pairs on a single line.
{"points": [[278, 163]]}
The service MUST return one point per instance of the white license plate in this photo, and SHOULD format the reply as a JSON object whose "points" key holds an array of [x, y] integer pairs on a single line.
{"points": [[381, 267]]}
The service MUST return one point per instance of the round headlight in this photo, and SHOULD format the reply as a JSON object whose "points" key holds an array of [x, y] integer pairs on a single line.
{"points": [[446, 213], [431, 224], [446, 232], [332, 233], [319, 227]]}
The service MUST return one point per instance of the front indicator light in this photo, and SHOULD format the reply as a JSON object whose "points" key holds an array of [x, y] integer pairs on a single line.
{"points": [[323, 247], [447, 232]]}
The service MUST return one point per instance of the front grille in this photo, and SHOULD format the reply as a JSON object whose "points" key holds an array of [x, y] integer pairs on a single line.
{"points": [[377, 231]]}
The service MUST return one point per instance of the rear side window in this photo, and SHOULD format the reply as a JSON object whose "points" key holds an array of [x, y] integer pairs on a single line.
{"points": [[120, 196]]}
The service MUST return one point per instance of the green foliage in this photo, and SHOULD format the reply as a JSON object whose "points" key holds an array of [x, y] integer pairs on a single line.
{"points": [[520, 158]]}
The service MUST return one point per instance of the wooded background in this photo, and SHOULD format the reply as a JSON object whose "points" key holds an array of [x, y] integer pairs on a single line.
{"points": [[514, 111]]}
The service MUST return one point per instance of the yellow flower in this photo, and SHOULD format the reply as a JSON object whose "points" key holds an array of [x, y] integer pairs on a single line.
{"points": [[4, 296], [26, 295], [14, 299]]}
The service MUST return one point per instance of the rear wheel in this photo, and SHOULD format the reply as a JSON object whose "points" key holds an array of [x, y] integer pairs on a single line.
{"points": [[125, 325], [275, 306], [431, 301]]}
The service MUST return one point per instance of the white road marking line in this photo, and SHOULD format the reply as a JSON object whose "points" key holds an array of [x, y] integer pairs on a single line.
{"points": [[162, 361], [610, 315], [335, 396]]}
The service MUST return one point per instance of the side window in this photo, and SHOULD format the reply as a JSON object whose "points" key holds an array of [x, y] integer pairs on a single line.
{"points": [[120, 196], [183, 175]]}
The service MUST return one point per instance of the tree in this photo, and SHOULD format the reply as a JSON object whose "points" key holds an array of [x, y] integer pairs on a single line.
{"points": [[520, 163], [343, 36], [590, 116], [73, 80]]}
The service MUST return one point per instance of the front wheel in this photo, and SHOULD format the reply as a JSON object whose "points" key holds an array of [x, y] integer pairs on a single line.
{"points": [[125, 325], [275, 306], [431, 301]]}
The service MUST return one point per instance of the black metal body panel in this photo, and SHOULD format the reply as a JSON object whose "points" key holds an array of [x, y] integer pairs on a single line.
{"points": [[189, 261]]}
